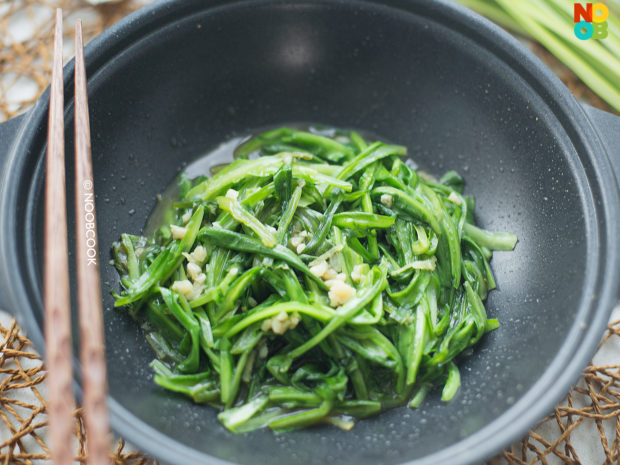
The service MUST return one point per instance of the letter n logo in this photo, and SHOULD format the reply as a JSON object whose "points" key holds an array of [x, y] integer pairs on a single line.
{"points": [[583, 14]]}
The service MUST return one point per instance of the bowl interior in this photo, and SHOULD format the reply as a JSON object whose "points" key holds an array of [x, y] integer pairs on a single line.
{"points": [[407, 76]]}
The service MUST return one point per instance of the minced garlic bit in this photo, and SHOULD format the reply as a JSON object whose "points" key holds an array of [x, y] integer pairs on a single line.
{"points": [[200, 279], [300, 248], [199, 254], [330, 274], [454, 198], [232, 194], [189, 290], [356, 273], [387, 200], [319, 269], [178, 232], [186, 217], [193, 271], [340, 293], [298, 238], [198, 288], [265, 325], [336, 277], [281, 323], [182, 287]]}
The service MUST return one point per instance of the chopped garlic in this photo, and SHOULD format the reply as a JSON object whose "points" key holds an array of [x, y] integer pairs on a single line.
{"points": [[356, 273], [266, 325], [197, 290], [193, 271], [189, 290], [186, 217], [330, 274], [232, 194], [319, 269], [184, 287], [300, 248], [340, 293], [198, 255], [297, 239], [178, 232], [454, 198], [200, 279], [341, 277], [281, 323], [387, 200]]}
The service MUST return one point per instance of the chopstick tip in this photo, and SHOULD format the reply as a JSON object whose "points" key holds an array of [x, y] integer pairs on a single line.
{"points": [[58, 30], [78, 32]]}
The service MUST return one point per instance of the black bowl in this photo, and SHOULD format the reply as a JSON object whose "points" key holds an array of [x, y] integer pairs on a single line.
{"points": [[174, 80]]}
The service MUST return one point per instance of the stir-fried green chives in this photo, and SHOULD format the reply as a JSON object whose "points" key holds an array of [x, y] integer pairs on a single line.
{"points": [[316, 279]]}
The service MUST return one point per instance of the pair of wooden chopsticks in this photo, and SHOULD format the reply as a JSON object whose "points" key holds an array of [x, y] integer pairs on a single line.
{"points": [[59, 357]]}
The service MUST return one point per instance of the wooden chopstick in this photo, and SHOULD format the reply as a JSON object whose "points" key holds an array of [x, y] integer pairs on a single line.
{"points": [[56, 273], [92, 352]]}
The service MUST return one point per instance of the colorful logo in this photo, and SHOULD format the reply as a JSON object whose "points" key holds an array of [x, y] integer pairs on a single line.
{"points": [[591, 21]]}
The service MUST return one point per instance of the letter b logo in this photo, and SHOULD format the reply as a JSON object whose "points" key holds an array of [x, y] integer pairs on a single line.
{"points": [[600, 30]]}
